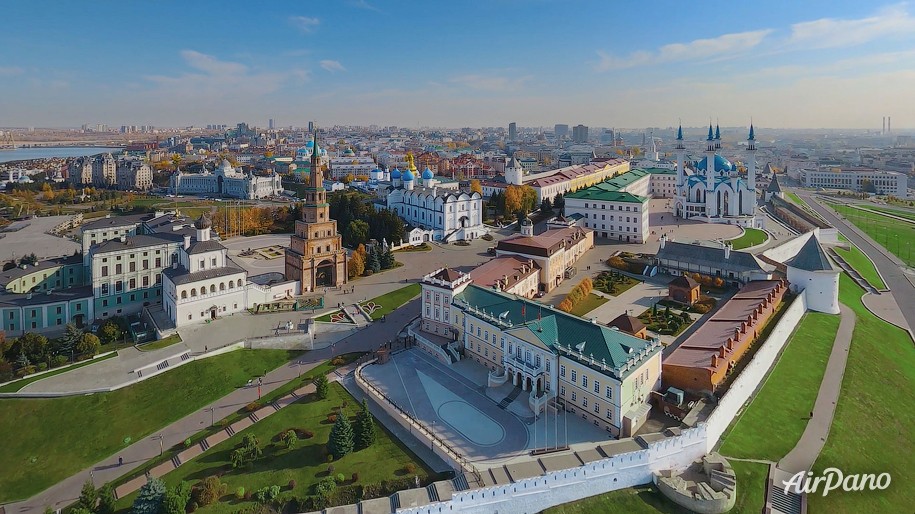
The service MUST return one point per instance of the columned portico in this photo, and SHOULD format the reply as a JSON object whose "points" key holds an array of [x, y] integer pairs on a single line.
{"points": [[527, 380]]}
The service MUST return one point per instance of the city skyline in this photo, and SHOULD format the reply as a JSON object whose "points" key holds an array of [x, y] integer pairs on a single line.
{"points": [[534, 63]]}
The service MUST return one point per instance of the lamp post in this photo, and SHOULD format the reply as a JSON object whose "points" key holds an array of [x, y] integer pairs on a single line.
{"points": [[212, 415], [432, 440]]}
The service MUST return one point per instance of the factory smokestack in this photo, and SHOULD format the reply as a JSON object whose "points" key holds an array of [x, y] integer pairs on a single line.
{"points": [[889, 124], [884, 126]]}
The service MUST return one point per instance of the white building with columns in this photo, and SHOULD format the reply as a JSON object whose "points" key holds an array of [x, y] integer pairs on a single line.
{"points": [[712, 189], [592, 371], [226, 181], [204, 283]]}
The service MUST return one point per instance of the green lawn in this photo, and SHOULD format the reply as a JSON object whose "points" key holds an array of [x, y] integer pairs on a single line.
{"points": [[305, 463], [646, 499], [660, 324], [389, 302], [874, 426], [780, 408], [591, 302], [48, 440], [161, 343], [326, 317], [795, 198], [894, 235], [750, 237], [613, 282], [907, 214], [862, 264], [13, 387]]}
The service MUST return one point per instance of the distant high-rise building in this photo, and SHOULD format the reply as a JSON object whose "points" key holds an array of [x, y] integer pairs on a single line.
{"points": [[270, 124], [311, 126], [513, 131], [242, 129], [561, 131], [580, 134]]}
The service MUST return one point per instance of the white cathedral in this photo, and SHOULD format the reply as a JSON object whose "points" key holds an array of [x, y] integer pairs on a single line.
{"points": [[712, 189]]}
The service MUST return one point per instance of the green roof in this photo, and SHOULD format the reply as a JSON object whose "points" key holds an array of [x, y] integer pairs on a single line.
{"points": [[610, 190], [661, 171], [558, 331]]}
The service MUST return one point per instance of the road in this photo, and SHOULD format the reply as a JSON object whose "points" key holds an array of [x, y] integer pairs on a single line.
{"points": [[63, 493], [890, 267]]}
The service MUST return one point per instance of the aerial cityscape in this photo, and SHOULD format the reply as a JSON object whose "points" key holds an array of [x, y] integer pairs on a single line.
{"points": [[389, 257]]}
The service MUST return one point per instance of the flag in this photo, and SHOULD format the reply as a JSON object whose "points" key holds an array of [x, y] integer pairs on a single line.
{"points": [[539, 312], [523, 313]]}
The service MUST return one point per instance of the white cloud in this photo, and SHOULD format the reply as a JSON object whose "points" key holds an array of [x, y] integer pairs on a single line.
{"points": [[9, 71], [727, 45], [363, 4], [833, 32], [304, 24], [210, 64], [332, 66], [494, 83]]}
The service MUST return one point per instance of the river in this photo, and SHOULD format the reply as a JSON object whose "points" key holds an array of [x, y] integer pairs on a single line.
{"points": [[23, 154]]}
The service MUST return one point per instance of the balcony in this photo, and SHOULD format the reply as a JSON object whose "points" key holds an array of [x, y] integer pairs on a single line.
{"points": [[530, 367]]}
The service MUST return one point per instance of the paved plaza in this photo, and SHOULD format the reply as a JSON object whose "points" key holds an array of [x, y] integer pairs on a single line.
{"points": [[452, 401], [31, 236]]}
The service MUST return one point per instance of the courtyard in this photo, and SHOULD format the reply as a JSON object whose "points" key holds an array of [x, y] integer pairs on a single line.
{"points": [[486, 426]]}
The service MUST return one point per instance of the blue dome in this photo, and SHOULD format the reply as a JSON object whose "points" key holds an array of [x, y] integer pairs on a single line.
{"points": [[310, 144], [395, 173], [427, 174], [721, 164], [408, 176]]}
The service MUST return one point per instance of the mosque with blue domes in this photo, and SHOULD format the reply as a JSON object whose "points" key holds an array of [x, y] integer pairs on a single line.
{"points": [[712, 189]]}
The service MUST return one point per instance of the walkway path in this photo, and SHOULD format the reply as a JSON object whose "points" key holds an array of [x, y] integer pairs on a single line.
{"points": [[802, 457], [67, 491]]}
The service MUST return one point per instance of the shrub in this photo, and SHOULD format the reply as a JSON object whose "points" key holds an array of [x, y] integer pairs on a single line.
{"points": [[410, 468], [209, 491], [338, 361], [325, 487], [330, 458], [330, 470], [240, 493], [291, 485], [332, 418], [42, 366], [355, 476], [308, 434], [253, 406], [248, 495], [340, 478], [187, 442], [59, 360], [192, 507], [368, 272]]}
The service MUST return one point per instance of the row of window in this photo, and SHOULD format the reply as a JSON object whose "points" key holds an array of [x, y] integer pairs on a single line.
{"points": [[105, 289], [584, 404], [573, 378], [603, 206], [603, 217], [203, 289]]}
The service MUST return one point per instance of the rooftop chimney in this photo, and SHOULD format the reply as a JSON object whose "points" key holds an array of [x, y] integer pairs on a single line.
{"points": [[727, 250], [187, 241]]}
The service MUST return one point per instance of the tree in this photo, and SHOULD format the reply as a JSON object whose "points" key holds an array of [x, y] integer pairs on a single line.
{"points": [[528, 198], [387, 259], [209, 491], [106, 500], [88, 344], [868, 186], [149, 499], [247, 452], [476, 187], [290, 438], [513, 198], [559, 203], [110, 332], [348, 178], [176, 500], [88, 496], [69, 340], [356, 233], [374, 262], [321, 387], [355, 265], [364, 428], [546, 205], [341, 441]]}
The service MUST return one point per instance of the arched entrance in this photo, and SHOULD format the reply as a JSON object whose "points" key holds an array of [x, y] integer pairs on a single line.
{"points": [[214, 311], [78, 320], [325, 274], [219, 183], [527, 383]]}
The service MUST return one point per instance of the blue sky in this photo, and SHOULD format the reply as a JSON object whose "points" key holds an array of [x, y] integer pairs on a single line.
{"points": [[460, 63]]}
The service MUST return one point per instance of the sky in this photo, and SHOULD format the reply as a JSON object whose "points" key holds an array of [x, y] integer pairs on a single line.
{"points": [[621, 63]]}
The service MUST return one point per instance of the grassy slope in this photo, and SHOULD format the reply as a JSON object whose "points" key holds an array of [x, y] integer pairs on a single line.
{"points": [[391, 301], [305, 463], [892, 234], [874, 426], [862, 264], [66, 435], [781, 406], [161, 343]]}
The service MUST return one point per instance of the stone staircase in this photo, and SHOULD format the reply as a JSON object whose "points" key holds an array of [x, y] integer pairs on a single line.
{"points": [[852, 272], [784, 502]]}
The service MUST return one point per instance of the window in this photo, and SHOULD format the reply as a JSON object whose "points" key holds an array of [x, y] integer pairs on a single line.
{"points": [[562, 371], [145, 263], [584, 381], [597, 408], [610, 414], [596, 387], [193, 292], [574, 376], [212, 288], [104, 289], [584, 402], [104, 271], [158, 261], [609, 393], [133, 283], [119, 287], [58, 310], [133, 266], [574, 396], [547, 366], [118, 268], [213, 261], [201, 263], [562, 390], [146, 281], [502, 345]]}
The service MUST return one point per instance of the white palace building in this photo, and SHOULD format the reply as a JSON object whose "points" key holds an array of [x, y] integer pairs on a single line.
{"points": [[226, 181], [713, 190]]}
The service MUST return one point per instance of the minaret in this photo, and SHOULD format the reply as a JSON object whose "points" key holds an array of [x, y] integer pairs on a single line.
{"points": [[652, 153], [710, 198], [751, 160], [717, 137], [681, 155]]}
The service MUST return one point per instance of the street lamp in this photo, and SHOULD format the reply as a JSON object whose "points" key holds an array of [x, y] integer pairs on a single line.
{"points": [[212, 415], [432, 440]]}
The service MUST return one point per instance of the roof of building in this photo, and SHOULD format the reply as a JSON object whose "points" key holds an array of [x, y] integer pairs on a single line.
{"points": [[627, 323], [507, 270], [28, 299], [721, 164], [204, 246], [611, 190], [773, 185], [544, 244], [116, 221], [590, 343], [448, 275], [427, 173], [140, 241], [712, 257], [811, 257], [18, 272], [684, 282], [203, 222], [180, 275]]}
